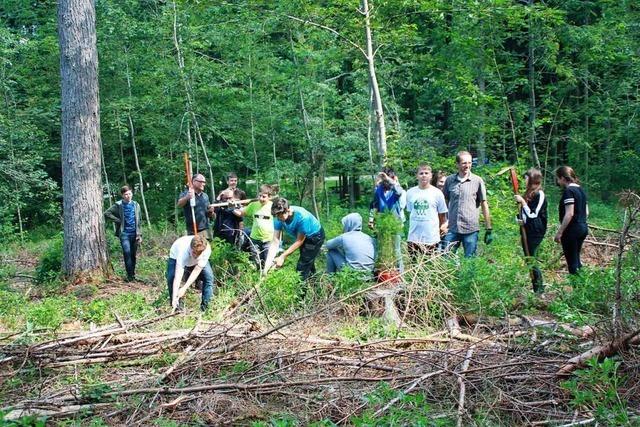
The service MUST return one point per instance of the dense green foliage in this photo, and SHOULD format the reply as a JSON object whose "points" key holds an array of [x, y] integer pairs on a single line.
{"points": [[452, 75]]}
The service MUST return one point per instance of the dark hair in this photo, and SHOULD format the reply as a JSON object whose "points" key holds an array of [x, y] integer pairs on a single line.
{"points": [[436, 177], [280, 206], [231, 175], [239, 194], [567, 173], [124, 189], [462, 153], [389, 171], [534, 184]]}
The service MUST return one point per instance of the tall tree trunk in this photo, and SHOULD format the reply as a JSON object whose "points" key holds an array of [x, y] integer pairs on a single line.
{"points": [[253, 126], [84, 248], [132, 134], [189, 100], [512, 125], [381, 133], [11, 113], [273, 144], [305, 122], [121, 145], [481, 144], [532, 91]]}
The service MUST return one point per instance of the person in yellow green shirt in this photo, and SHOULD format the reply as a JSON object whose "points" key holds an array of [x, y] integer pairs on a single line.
{"points": [[262, 228]]}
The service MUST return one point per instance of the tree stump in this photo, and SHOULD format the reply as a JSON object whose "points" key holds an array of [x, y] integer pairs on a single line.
{"points": [[382, 302]]}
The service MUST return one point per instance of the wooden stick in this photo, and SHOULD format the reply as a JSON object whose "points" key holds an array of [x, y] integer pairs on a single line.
{"points": [[465, 366]]}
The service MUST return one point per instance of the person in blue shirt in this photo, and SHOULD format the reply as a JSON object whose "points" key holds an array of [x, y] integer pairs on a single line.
{"points": [[126, 215], [304, 227], [389, 196]]}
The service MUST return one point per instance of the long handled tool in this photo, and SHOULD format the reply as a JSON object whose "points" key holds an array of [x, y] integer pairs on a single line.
{"points": [[192, 201], [523, 234]]}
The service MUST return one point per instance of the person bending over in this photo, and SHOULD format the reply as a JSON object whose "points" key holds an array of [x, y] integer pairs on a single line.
{"points": [[190, 254], [304, 227]]}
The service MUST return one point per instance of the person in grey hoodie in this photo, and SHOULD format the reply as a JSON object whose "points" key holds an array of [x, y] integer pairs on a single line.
{"points": [[126, 215], [353, 248]]}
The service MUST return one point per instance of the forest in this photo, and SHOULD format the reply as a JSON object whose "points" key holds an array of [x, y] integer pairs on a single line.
{"points": [[315, 97]]}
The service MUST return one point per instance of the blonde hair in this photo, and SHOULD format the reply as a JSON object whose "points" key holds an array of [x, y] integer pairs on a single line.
{"points": [[198, 244]]}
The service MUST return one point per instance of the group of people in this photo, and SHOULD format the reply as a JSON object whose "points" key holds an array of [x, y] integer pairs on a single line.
{"points": [[443, 212]]}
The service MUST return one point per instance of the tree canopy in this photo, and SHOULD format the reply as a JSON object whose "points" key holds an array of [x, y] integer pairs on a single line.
{"points": [[280, 91]]}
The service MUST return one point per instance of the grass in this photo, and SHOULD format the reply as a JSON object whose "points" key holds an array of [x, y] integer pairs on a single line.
{"points": [[495, 283]]}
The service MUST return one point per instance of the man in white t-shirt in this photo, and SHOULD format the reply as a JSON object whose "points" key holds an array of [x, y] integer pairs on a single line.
{"points": [[427, 214], [190, 254]]}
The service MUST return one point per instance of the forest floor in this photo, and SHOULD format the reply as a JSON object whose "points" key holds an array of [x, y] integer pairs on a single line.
{"points": [[477, 349]]}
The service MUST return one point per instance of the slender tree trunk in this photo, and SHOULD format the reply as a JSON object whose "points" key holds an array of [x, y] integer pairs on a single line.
{"points": [[586, 130], [381, 133], [253, 126], [273, 143], [532, 91], [12, 156], [84, 247], [189, 100], [507, 108], [121, 145], [369, 131], [305, 122], [481, 144], [132, 134]]}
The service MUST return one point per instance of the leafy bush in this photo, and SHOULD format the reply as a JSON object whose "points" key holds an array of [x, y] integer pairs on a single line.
{"points": [[347, 281], [52, 312], [49, 268], [487, 287], [595, 389], [282, 290], [411, 409], [387, 227]]}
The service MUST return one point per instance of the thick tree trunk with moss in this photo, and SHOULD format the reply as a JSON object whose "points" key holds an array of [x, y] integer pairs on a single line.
{"points": [[84, 233]]}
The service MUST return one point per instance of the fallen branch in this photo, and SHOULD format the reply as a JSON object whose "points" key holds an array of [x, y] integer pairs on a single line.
{"points": [[461, 383], [600, 352]]}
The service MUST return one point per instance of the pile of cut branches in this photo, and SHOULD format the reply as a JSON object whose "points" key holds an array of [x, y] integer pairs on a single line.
{"points": [[226, 373]]}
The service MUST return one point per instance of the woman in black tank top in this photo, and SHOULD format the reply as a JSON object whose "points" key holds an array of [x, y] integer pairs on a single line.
{"points": [[572, 211]]}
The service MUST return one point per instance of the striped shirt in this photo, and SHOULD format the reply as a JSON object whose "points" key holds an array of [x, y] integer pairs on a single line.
{"points": [[464, 196]]}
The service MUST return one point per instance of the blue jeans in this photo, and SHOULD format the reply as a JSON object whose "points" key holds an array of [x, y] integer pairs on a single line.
{"points": [[335, 261], [469, 242], [129, 249], [206, 275]]}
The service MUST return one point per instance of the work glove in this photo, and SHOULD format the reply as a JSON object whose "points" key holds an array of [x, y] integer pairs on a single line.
{"points": [[488, 236]]}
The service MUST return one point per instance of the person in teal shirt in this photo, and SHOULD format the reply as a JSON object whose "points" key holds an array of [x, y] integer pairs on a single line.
{"points": [[304, 227]]}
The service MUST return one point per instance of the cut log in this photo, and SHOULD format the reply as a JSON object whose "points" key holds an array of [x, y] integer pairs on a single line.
{"points": [[381, 302]]}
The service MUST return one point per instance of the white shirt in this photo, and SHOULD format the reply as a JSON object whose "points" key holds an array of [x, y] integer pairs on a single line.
{"points": [[424, 205], [181, 252]]}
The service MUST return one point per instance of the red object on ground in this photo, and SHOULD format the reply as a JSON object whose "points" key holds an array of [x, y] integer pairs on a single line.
{"points": [[391, 276]]}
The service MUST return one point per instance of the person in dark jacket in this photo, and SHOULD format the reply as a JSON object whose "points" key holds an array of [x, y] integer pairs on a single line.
{"points": [[195, 198], [573, 212], [533, 216], [125, 214], [227, 225]]}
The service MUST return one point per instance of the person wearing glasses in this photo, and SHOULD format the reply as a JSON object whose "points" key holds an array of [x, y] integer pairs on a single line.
{"points": [[201, 206]]}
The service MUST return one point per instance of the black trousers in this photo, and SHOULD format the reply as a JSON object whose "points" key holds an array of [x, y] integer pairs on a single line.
{"points": [[533, 242], [308, 252], [572, 240]]}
